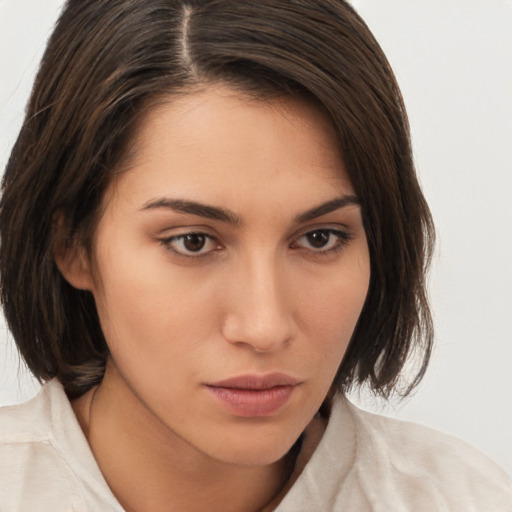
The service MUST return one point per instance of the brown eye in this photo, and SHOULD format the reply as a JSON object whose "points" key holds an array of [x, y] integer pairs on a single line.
{"points": [[194, 242], [191, 244], [318, 239], [323, 241]]}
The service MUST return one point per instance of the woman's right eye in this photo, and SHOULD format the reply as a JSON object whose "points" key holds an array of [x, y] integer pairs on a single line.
{"points": [[191, 244]]}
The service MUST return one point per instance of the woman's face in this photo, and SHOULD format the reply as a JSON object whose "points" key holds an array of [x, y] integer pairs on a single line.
{"points": [[230, 268]]}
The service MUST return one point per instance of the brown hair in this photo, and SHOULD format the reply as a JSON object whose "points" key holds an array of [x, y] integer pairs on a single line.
{"points": [[107, 60]]}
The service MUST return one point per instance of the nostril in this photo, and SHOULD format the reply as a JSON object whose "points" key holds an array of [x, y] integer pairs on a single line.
{"points": [[258, 309], [261, 333]]}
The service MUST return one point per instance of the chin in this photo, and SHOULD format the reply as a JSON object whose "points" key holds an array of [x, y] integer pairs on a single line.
{"points": [[254, 456], [256, 450]]}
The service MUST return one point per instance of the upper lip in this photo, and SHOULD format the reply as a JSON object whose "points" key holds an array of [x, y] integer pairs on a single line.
{"points": [[254, 381]]}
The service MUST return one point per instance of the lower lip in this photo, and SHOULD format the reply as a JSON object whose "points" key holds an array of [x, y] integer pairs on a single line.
{"points": [[251, 403]]}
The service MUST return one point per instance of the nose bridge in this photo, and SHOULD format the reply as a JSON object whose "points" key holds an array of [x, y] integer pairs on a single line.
{"points": [[259, 314]]}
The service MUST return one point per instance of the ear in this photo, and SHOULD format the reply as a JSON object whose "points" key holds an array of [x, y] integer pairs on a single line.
{"points": [[71, 258]]}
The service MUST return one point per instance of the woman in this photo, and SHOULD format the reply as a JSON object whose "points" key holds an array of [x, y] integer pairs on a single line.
{"points": [[211, 231]]}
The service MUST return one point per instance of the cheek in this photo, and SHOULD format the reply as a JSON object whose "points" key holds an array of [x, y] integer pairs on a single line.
{"points": [[144, 302], [331, 308]]}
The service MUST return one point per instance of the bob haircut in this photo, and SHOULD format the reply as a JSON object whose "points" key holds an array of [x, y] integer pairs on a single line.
{"points": [[107, 63]]}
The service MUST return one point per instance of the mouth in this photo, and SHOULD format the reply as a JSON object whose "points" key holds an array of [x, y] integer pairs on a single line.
{"points": [[254, 395]]}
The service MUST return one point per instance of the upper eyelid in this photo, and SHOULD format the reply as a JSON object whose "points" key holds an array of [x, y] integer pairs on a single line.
{"points": [[185, 233], [329, 229], [344, 238], [204, 230], [332, 227], [167, 241], [171, 238], [344, 234], [185, 230], [207, 229]]}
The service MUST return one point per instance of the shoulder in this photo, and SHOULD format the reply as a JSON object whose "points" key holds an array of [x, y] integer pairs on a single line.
{"points": [[367, 462], [40, 449], [34, 471], [30, 419], [417, 462]]}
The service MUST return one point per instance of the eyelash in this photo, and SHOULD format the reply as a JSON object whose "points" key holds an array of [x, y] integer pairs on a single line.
{"points": [[167, 243], [343, 238]]}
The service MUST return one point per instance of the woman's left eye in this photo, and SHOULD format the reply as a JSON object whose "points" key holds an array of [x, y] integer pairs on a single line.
{"points": [[323, 240], [191, 244]]}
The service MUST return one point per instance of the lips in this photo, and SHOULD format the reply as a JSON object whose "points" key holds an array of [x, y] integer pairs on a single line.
{"points": [[254, 395]]}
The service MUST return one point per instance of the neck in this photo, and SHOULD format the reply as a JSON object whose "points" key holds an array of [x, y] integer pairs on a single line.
{"points": [[149, 468]]}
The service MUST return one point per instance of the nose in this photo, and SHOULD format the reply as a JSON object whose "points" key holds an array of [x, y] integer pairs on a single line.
{"points": [[259, 312]]}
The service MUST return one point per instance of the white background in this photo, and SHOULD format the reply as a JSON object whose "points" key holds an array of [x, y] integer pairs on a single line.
{"points": [[453, 60]]}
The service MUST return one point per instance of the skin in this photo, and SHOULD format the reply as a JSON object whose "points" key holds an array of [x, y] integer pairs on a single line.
{"points": [[259, 296]]}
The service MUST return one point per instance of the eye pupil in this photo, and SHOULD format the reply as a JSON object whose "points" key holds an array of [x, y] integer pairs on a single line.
{"points": [[318, 239], [194, 242]]}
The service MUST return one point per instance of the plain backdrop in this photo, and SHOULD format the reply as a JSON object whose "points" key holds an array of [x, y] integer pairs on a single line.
{"points": [[453, 60]]}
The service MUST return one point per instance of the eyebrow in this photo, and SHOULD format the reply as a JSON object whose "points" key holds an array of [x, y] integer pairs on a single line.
{"points": [[224, 215], [328, 207], [194, 208]]}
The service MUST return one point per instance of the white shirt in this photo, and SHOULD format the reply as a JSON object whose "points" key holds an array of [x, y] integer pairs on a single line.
{"points": [[363, 462]]}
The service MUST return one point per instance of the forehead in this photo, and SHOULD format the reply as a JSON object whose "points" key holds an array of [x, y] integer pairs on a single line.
{"points": [[223, 144]]}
